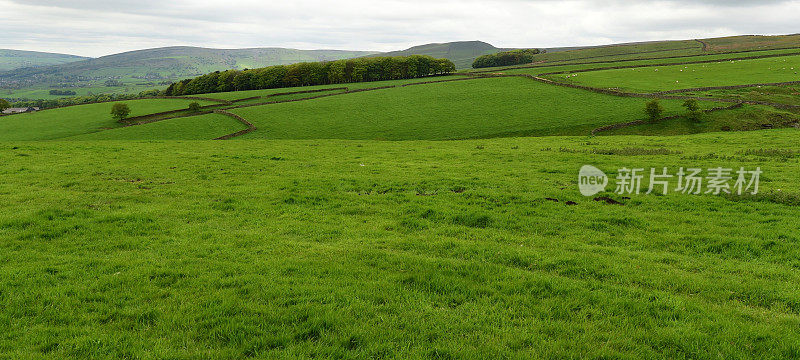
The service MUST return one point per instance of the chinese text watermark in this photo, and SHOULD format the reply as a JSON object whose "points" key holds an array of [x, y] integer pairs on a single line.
{"points": [[685, 180]]}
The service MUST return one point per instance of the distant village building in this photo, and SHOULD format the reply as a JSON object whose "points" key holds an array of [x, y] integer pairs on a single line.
{"points": [[20, 110]]}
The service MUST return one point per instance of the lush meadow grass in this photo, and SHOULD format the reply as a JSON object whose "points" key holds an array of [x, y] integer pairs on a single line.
{"points": [[674, 77], [361, 249], [309, 245], [76, 120], [479, 108]]}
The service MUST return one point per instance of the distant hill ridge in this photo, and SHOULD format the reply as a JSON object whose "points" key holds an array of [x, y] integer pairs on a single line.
{"points": [[180, 62], [17, 59], [172, 62], [461, 53]]}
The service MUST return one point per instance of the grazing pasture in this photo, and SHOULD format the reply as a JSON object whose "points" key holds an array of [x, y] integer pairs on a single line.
{"points": [[478, 108], [77, 120], [666, 59], [364, 249], [674, 77]]}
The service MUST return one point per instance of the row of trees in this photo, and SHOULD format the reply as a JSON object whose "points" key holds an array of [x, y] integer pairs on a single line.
{"points": [[655, 111], [506, 58], [63, 92], [314, 73]]}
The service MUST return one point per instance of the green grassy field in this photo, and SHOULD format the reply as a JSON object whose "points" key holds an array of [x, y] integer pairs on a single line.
{"points": [[462, 109], [362, 249], [434, 221], [76, 120], [674, 77]]}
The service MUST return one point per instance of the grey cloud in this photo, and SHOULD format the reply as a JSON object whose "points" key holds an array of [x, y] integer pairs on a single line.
{"points": [[95, 28]]}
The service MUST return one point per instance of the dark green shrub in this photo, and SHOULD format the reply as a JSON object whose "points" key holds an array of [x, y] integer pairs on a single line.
{"points": [[695, 115], [654, 110], [194, 107]]}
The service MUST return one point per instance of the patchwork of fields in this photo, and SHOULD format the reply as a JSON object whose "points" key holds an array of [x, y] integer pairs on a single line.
{"points": [[664, 78], [427, 218]]}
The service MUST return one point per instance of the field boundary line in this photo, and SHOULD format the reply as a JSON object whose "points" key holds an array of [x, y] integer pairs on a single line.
{"points": [[221, 102], [353, 92], [546, 64], [143, 119], [643, 95], [620, 54], [705, 45], [305, 92], [668, 64], [253, 128], [250, 126], [642, 122], [145, 122], [729, 87]]}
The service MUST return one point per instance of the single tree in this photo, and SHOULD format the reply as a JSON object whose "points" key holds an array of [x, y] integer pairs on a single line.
{"points": [[691, 105], [120, 111], [695, 114], [4, 105], [194, 107], [654, 110]]}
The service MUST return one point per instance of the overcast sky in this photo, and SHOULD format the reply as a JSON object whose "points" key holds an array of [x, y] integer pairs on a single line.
{"points": [[102, 27]]}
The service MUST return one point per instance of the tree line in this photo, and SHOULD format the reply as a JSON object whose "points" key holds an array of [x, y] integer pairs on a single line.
{"points": [[63, 92], [314, 73], [506, 58]]}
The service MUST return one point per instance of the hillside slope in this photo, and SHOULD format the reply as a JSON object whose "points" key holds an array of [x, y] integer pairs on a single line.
{"points": [[461, 53], [17, 59], [171, 63]]}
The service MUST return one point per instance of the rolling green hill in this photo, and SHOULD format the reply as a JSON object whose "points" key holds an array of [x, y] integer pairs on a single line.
{"points": [[480, 108], [17, 59], [461, 53], [413, 219], [81, 119]]}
